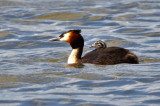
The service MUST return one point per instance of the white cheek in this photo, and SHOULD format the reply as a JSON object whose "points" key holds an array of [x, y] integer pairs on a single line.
{"points": [[65, 38]]}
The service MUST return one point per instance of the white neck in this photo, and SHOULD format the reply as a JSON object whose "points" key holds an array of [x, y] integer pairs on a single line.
{"points": [[73, 58]]}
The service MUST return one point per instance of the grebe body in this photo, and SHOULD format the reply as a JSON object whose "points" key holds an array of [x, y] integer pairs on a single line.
{"points": [[102, 55], [110, 56]]}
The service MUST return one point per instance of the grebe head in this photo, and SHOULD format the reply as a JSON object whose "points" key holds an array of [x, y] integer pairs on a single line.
{"points": [[73, 37]]}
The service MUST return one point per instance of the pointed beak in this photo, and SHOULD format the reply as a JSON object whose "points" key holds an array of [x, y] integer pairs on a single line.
{"points": [[90, 46], [93, 46], [54, 39]]}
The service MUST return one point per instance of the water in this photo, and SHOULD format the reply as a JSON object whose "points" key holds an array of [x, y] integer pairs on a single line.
{"points": [[33, 71]]}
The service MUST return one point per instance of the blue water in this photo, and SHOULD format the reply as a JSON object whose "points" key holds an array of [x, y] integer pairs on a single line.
{"points": [[34, 72]]}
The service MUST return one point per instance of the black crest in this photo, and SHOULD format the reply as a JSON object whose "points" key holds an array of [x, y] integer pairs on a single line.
{"points": [[78, 31]]}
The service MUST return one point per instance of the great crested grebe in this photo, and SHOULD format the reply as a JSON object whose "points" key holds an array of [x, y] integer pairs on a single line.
{"points": [[101, 55]]}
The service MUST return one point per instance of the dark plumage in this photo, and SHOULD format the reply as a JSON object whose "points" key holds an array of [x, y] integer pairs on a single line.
{"points": [[109, 56]]}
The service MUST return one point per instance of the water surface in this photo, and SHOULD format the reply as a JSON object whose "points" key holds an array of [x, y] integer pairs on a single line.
{"points": [[34, 72]]}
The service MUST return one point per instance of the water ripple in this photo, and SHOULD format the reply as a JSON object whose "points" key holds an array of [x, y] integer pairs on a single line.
{"points": [[33, 71]]}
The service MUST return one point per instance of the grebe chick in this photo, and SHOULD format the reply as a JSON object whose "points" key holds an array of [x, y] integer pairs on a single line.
{"points": [[101, 56], [99, 44]]}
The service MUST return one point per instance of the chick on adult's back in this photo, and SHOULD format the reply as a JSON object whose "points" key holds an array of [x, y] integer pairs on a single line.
{"points": [[102, 56]]}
